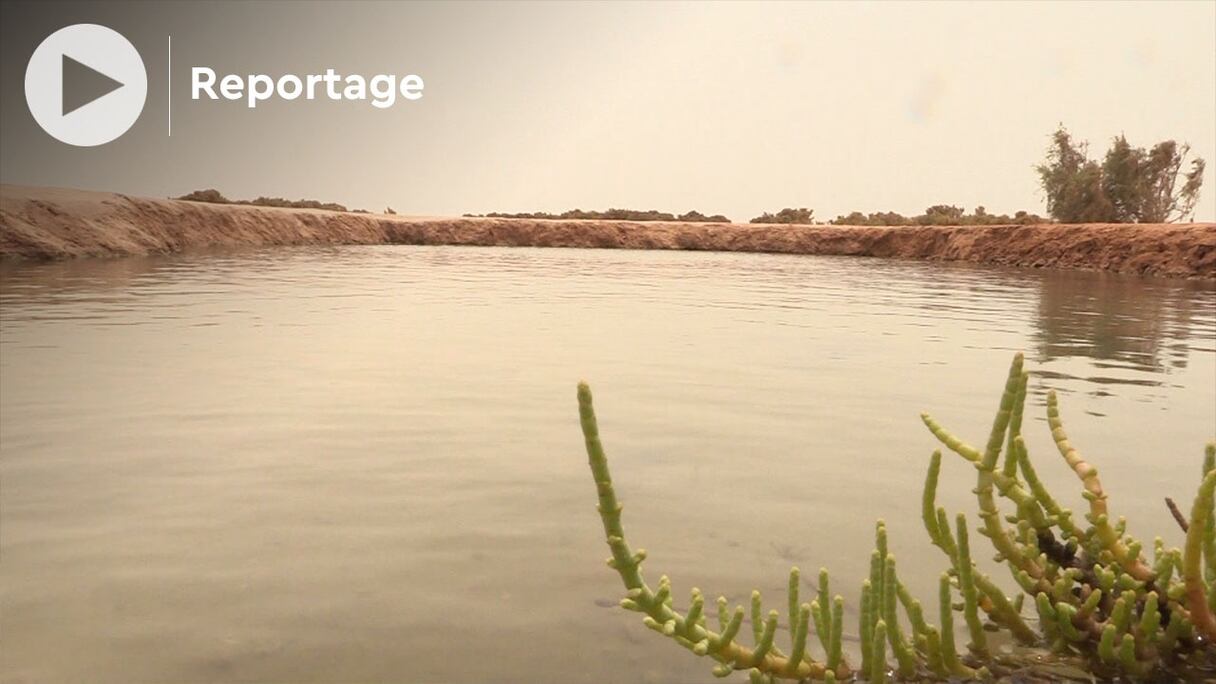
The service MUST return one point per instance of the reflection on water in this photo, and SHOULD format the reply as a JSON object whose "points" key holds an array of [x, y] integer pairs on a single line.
{"points": [[364, 464], [1142, 324]]}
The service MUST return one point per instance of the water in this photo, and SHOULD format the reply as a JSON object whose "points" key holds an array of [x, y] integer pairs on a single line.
{"points": [[364, 464]]}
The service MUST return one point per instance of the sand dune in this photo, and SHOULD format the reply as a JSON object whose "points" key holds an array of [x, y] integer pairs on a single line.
{"points": [[51, 223]]}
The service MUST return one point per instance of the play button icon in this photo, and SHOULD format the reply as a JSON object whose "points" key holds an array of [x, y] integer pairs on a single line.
{"points": [[85, 85]]}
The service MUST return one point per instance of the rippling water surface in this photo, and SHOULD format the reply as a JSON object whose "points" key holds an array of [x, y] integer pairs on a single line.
{"points": [[364, 463]]}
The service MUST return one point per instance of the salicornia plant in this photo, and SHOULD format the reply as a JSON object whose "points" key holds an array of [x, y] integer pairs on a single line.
{"points": [[1094, 593]]}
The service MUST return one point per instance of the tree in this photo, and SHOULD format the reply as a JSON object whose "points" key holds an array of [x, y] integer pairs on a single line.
{"points": [[1073, 183], [1142, 184], [1132, 185], [1121, 179]]}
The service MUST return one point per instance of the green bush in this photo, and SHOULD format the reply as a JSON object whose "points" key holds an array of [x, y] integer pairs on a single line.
{"points": [[1102, 601], [788, 215]]}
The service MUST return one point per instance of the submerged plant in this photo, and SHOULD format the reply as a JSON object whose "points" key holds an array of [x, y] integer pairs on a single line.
{"points": [[1096, 595]]}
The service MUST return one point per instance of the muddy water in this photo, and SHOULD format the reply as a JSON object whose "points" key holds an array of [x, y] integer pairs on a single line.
{"points": [[364, 464]]}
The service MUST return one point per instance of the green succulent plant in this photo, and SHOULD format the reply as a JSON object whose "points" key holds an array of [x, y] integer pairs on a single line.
{"points": [[1097, 598]]}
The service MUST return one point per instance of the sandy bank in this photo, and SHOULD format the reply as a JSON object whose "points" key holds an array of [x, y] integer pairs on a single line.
{"points": [[49, 223]]}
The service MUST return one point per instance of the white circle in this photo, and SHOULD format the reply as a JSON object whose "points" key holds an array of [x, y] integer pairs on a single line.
{"points": [[100, 120]]}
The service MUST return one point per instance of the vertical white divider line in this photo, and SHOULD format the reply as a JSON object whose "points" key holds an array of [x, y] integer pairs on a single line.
{"points": [[170, 85]]}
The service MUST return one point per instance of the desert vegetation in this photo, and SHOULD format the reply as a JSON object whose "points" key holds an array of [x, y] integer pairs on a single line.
{"points": [[939, 215], [790, 215], [1130, 185], [216, 197], [692, 216], [1099, 600]]}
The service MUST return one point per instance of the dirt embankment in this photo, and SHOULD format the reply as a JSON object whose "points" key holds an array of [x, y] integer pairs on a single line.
{"points": [[48, 223]]}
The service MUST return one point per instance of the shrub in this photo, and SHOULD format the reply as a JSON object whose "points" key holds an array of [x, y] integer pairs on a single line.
{"points": [[610, 215], [938, 215], [215, 197], [941, 215], [209, 195], [697, 217], [788, 215], [1099, 597]]}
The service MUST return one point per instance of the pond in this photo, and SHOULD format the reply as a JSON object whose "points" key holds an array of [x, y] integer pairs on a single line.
{"points": [[364, 463]]}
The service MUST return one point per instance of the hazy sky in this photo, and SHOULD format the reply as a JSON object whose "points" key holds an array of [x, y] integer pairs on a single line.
{"points": [[725, 108]]}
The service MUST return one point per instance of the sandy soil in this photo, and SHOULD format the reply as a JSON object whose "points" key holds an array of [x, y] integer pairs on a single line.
{"points": [[51, 223]]}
